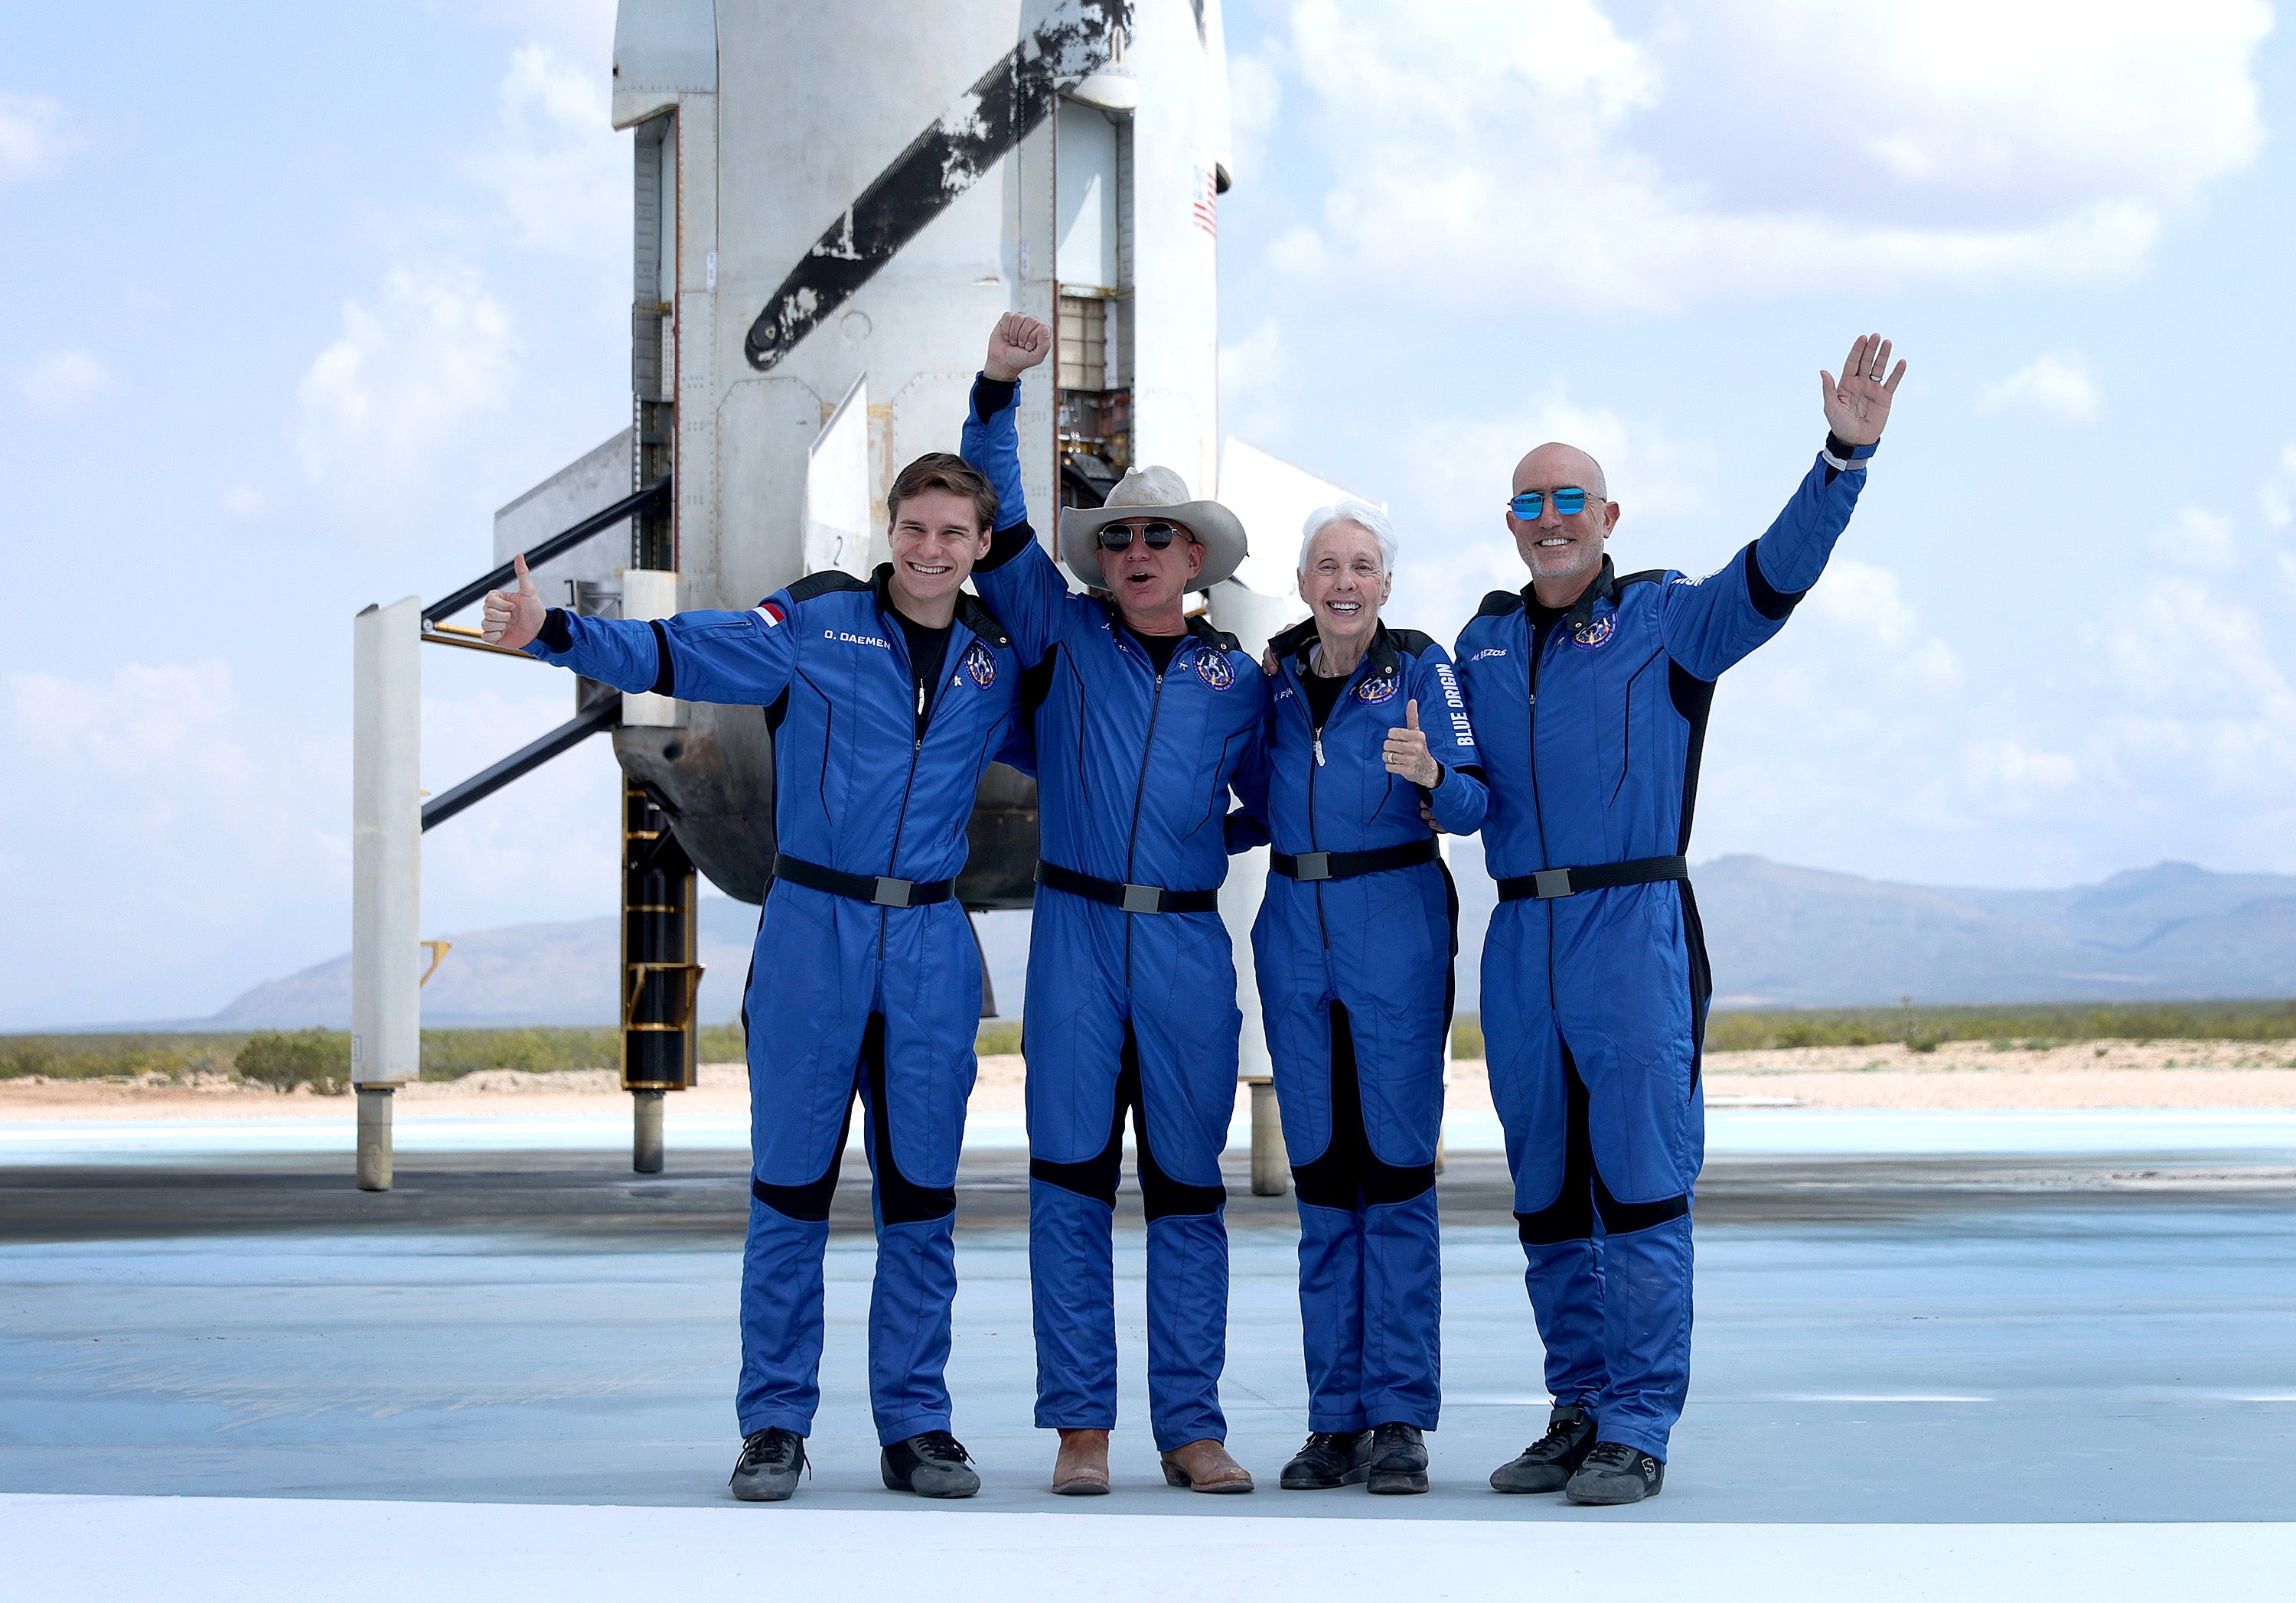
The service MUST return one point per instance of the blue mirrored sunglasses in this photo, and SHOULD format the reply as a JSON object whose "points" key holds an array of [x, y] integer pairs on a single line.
{"points": [[1568, 504]]}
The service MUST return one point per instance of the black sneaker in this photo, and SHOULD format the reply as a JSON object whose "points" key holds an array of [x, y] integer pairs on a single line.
{"points": [[1546, 1465], [933, 1465], [766, 1471], [1328, 1459], [1615, 1472], [1398, 1460]]}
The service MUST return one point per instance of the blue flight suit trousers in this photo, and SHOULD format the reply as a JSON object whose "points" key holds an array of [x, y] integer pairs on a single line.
{"points": [[847, 999], [1355, 1033], [1129, 1011]]}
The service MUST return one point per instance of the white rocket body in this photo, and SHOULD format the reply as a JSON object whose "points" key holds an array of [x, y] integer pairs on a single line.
{"points": [[1099, 218]]}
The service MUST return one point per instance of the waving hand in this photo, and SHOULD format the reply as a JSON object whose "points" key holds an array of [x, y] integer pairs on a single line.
{"points": [[1858, 404]]}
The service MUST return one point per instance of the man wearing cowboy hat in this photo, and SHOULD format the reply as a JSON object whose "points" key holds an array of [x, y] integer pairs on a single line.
{"points": [[1146, 719]]}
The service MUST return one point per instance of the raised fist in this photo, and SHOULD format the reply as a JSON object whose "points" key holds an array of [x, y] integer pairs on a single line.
{"points": [[1017, 344]]}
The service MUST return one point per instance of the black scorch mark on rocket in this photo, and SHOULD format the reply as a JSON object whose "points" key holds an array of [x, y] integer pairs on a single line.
{"points": [[1000, 110]]}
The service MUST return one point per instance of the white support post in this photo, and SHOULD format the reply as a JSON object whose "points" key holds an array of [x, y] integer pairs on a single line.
{"points": [[649, 593], [385, 872]]}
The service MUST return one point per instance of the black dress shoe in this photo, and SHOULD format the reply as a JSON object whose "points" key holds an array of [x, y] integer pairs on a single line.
{"points": [[1398, 1460], [933, 1465], [1329, 1459], [766, 1471], [1547, 1464], [1615, 1472]]}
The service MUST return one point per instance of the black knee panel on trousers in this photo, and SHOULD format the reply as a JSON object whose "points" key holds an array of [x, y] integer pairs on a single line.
{"points": [[1349, 1175], [1570, 1217], [1096, 1176], [899, 1199], [808, 1204]]}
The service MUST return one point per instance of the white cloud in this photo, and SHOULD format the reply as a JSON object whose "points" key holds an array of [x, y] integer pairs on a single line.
{"points": [[2198, 539], [2058, 385], [64, 382], [404, 375], [33, 136], [1255, 96], [1255, 381], [209, 839], [2007, 776], [2274, 495], [553, 159], [1450, 509], [1546, 152], [576, 28], [1864, 609]]}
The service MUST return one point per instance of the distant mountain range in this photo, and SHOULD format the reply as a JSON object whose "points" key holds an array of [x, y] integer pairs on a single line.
{"points": [[1780, 935]]}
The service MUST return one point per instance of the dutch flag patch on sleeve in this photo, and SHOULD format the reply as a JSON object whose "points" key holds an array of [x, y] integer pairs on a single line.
{"points": [[770, 613]]}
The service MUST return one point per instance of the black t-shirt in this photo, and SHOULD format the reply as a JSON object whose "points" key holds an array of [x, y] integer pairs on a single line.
{"points": [[1160, 648], [1322, 695], [928, 654]]}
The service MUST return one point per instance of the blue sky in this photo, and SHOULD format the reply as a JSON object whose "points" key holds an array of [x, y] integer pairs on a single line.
{"points": [[294, 296]]}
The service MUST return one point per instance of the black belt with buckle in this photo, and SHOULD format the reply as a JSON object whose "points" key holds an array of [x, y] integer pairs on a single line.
{"points": [[1131, 898], [873, 889], [1316, 866], [1549, 883]]}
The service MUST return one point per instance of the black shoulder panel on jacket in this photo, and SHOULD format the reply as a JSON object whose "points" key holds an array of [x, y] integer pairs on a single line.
{"points": [[1499, 603], [1648, 575], [976, 616], [827, 581], [1769, 600], [1411, 641], [1286, 642], [1220, 639], [1003, 545]]}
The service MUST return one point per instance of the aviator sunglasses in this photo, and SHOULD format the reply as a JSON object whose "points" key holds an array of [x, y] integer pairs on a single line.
{"points": [[1118, 536], [1568, 504]]}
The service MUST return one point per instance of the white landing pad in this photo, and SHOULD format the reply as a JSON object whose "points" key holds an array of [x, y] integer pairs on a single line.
{"points": [[234, 1550]]}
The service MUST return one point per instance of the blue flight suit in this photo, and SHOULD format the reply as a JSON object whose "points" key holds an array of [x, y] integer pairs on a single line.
{"points": [[845, 995], [1355, 990], [1125, 1008], [1590, 723]]}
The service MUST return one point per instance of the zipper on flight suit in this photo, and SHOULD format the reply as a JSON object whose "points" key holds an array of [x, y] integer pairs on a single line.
{"points": [[1323, 924], [901, 822], [1139, 788], [1541, 634]]}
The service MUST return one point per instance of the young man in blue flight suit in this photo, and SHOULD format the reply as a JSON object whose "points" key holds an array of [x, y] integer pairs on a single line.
{"points": [[1146, 721], [1589, 693], [887, 697]]}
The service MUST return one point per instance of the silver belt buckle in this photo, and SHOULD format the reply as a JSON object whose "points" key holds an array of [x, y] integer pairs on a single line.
{"points": [[1143, 898], [1312, 865], [1549, 883], [892, 893]]}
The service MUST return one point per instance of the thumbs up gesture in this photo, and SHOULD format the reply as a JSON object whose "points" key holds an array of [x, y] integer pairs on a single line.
{"points": [[1406, 754], [514, 617]]}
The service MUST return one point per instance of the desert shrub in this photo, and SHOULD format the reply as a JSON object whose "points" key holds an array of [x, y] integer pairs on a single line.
{"points": [[115, 1057], [997, 1037], [2037, 1028], [319, 1058], [1467, 1036]]}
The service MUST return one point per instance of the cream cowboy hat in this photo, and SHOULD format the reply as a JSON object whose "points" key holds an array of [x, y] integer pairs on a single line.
{"points": [[1162, 492]]}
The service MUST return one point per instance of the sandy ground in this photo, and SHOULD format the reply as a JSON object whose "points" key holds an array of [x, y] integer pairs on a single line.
{"points": [[2097, 1074]]}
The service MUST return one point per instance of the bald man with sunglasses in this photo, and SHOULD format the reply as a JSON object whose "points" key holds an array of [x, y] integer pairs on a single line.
{"points": [[1589, 692]]}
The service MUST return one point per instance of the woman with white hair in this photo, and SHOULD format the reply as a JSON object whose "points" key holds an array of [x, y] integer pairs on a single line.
{"points": [[1355, 939]]}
